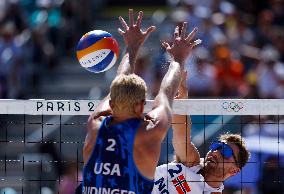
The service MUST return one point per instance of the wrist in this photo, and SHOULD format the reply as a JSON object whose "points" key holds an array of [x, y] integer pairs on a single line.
{"points": [[132, 50], [180, 60]]}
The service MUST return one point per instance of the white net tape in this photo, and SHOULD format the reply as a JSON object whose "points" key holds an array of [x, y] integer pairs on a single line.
{"points": [[186, 107], [29, 129]]}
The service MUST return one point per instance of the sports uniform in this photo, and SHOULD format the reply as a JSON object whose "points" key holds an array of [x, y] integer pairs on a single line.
{"points": [[111, 168], [176, 178]]}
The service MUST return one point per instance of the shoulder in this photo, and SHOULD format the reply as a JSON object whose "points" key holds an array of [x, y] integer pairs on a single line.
{"points": [[162, 166], [94, 122], [163, 170], [172, 170], [98, 116], [172, 166]]}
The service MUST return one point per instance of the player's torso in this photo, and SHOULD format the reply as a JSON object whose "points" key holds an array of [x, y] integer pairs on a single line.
{"points": [[175, 178], [111, 165]]}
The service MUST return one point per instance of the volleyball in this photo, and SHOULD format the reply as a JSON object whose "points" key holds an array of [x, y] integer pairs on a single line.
{"points": [[97, 51]]}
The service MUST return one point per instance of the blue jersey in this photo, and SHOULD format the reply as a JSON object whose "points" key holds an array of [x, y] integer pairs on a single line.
{"points": [[111, 168]]}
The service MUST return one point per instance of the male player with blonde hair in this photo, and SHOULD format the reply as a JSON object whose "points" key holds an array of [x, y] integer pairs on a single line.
{"points": [[191, 174], [122, 146]]}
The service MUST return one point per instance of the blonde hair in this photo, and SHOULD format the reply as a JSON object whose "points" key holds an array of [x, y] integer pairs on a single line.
{"points": [[126, 91]]}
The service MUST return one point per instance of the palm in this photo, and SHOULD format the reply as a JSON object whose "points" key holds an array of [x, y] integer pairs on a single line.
{"points": [[132, 34], [182, 45]]}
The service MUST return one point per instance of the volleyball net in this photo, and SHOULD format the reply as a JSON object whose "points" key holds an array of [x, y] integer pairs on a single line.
{"points": [[42, 141]]}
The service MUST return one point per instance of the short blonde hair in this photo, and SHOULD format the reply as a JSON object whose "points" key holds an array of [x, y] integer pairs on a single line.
{"points": [[126, 91]]}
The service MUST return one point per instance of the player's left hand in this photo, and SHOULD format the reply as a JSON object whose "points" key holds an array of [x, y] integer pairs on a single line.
{"points": [[182, 44], [132, 34]]}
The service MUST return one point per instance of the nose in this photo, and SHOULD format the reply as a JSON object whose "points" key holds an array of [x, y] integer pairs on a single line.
{"points": [[217, 154]]}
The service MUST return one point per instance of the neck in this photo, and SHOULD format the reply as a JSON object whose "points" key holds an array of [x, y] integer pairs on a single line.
{"points": [[123, 117], [212, 180]]}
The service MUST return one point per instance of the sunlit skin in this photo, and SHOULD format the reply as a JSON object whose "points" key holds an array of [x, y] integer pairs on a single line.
{"points": [[150, 134], [218, 168], [215, 169]]}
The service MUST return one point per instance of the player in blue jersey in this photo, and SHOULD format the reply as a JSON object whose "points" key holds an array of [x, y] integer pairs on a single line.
{"points": [[122, 145]]}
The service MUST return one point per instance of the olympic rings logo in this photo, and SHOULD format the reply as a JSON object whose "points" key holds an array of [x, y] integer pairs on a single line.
{"points": [[233, 106]]}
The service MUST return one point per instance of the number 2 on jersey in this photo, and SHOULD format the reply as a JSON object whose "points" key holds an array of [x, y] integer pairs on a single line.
{"points": [[111, 146]]}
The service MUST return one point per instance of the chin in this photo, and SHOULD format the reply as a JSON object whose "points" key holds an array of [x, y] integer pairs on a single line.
{"points": [[210, 165], [214, 168]]}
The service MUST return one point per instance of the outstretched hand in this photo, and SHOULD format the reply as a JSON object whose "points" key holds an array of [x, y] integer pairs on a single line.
{"points": [[132, 34], [182, 45]]}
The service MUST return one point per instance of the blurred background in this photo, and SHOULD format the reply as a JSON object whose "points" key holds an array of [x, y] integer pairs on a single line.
{"points": [[241, 56]]}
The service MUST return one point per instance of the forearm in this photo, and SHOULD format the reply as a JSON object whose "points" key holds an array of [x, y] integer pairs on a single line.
{"points": [[185, 150], [134, 38], [182, 122], [171, 81], [182, 125], [127, 65]]}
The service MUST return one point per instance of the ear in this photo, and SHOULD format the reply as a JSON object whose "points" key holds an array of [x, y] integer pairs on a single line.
{"points": [[110, 104], [142, 106], [139, 108], [234, 171]]}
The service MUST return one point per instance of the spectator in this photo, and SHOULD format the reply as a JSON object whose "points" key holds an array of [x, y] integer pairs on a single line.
{"points": [[10, 62], [230, 72], [268, 79], [202, 80]]}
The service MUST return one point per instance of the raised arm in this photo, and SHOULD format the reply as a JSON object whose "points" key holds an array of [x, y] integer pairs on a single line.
{"points": [[133, 38], [185, 151], [179, 51]]}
